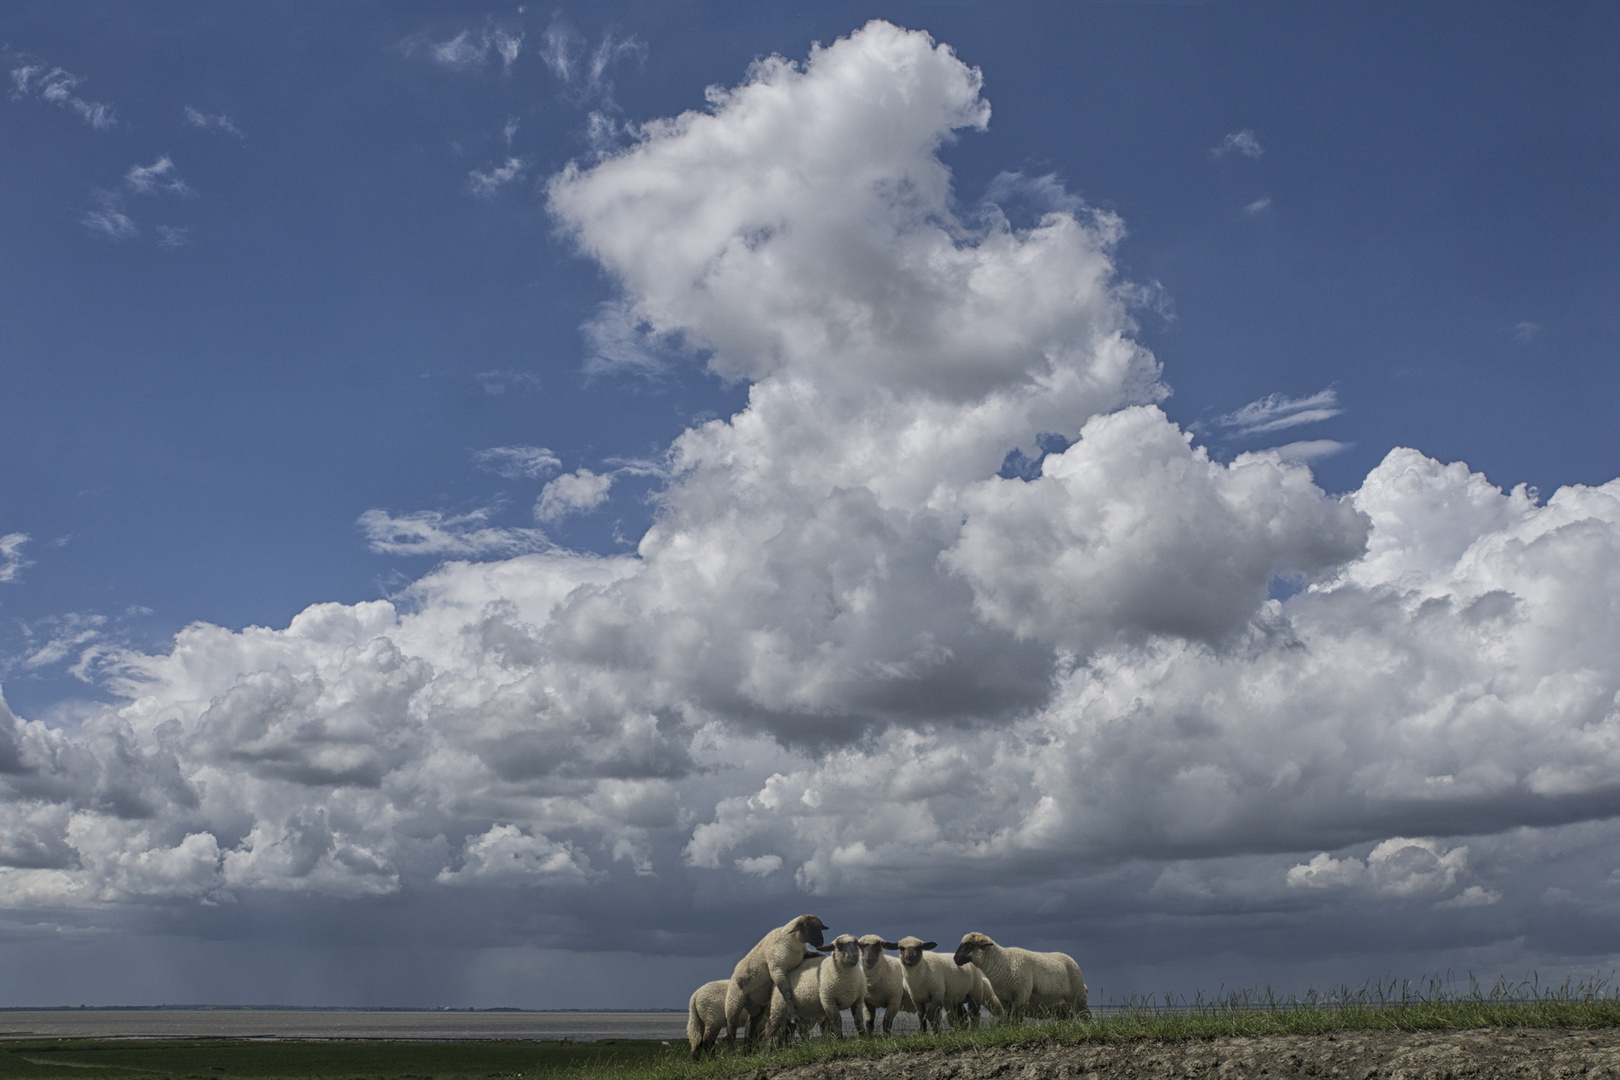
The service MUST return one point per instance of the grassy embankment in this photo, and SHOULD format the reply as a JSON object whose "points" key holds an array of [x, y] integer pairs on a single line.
{"points": [[1395, 1006]]}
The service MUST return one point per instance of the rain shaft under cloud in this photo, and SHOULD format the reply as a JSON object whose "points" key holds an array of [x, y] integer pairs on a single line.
{"points": [[847, 653]]}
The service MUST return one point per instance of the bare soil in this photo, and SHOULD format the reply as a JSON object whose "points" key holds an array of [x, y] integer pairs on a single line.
{"points": [[1483, 1054]]}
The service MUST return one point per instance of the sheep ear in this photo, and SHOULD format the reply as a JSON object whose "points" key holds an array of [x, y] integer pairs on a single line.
{"points": [[891, 945], [930, 944]]}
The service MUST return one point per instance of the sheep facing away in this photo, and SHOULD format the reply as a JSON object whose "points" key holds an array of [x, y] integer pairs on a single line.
{"points": [[764, 972], [822, 988], [706, 1017], [940, 987], [885, 984], [1025, 982]]}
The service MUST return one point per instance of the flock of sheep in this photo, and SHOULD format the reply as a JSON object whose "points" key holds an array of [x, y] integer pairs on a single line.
{"points": [[784, 985]]}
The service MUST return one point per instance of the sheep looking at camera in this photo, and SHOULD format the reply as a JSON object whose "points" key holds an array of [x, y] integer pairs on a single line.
{"points": [[823, 987], [1027, 982], [937, 985], [885, 984], [764, 972]]}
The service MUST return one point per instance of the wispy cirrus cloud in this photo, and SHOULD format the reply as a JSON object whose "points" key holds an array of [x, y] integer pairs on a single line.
{"points": [[587, 72], [618, 342], [1239, 142], [500, 380], [1309, 449], [33, 78], [211, 121], [485, 184], [518, 462], [64, 636], [585, 69], [431, 532], [470, 48], [106, 218], [159, 178], [1276, 412], [12, 562]]}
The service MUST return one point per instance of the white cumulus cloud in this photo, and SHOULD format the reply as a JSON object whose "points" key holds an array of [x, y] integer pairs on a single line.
{"points": [[849, 658], [572, 493]]}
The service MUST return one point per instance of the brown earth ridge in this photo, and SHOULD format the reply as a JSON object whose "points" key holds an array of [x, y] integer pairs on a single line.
{"points": [[1479, 1054]]}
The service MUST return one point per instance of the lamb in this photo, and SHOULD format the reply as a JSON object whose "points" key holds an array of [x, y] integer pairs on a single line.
{"points": [[1027, 982], [765, 970], [936, 985], [706, 1017], [885, 984], [823, 987]]}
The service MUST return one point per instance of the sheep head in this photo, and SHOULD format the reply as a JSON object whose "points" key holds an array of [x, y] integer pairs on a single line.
{"points": [[972, 947], [872, 946], [846, 950], [808, 929], [911, 949]]}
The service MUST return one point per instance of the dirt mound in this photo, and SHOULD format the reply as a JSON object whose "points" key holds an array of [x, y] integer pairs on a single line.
{"points": [[1484, 1054]]}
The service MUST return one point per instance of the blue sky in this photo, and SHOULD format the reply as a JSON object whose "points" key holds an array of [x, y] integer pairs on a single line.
{"points": [[416, 320]]}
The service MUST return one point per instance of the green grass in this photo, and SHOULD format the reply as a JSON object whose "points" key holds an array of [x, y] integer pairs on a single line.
{"points": [[1393, 1006]]}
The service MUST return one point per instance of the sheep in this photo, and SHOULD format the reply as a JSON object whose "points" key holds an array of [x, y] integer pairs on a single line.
{"points": [[765, 970], [980, 995], [885, 984], [706, 1016], [823, 987], [937, 986], [1025, 981]]}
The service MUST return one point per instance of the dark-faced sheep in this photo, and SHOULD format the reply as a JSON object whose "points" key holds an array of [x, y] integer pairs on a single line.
{"points": [[823, 987], [885, 984], [937, 986], [1025, 982], [765, 969]]}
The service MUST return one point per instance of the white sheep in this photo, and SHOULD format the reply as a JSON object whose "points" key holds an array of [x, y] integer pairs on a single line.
{"points": [[764, 972], [823, 987], [1027, 982], [938, 987], [978, 996], [706, 1017], [885, 984]]}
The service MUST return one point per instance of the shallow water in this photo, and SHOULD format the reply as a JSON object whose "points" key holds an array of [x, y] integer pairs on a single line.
{"points": [[336, 1024]]}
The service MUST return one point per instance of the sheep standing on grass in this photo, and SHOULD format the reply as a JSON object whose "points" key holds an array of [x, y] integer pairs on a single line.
{"points": [[979, 996], [937, 986], [706, 1017], [1027, 982], [765, 971], [885, 984], [823, 987]]}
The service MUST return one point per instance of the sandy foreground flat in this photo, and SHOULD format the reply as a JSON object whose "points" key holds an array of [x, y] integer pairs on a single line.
{"points": [[336, 1024], [1486, 1054]]}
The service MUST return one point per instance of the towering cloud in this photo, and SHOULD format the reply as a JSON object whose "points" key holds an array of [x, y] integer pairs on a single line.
{"points": [[848, 653]]}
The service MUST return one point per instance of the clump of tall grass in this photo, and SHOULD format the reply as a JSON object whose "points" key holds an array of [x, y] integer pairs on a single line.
{"points": [[1434, 1004]]}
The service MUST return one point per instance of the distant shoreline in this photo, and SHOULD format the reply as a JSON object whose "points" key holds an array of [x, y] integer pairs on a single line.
{"points": [[312, 1008]]}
